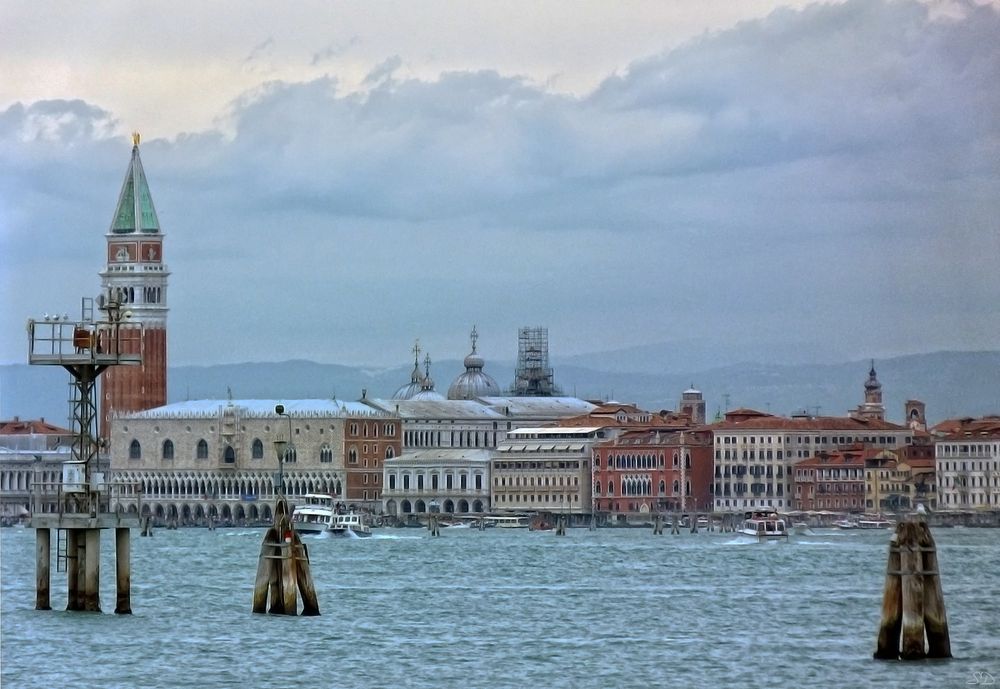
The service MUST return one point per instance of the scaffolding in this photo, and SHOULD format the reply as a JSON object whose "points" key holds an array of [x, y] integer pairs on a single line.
{"points": [[533, 376]]}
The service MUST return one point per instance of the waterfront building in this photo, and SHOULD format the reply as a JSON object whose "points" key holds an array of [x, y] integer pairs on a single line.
{"points": [[214, 458], [136, 277], [968, 464], [900, 479], [446, 480], [32, 453], [653, 470], [459, 430], [831, 480], [755, 452], [545, 470]]}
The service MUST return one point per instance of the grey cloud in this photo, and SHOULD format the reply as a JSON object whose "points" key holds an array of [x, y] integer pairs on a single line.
{"points": [[384, 70], [814, 171]]}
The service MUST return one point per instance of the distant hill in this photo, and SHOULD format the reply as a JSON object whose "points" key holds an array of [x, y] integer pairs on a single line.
{"points": [[950, 383]]}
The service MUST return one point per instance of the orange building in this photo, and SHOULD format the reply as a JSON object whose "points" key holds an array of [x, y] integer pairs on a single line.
{"points": [[833, 480]]}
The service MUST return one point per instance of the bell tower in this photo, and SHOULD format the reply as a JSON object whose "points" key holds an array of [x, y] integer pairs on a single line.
{"points": [[136, 277]]}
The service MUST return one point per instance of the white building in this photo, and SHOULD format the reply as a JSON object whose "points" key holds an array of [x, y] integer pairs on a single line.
{"points": [[450, 481], [968, 466], [215, 458]]}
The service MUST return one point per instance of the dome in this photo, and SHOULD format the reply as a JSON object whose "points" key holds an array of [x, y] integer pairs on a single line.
{"points": [[473, 383], [426, 392], [412, 388]]}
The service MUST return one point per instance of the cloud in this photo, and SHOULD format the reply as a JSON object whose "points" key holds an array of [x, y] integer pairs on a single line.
{"points": [[813, 173]]}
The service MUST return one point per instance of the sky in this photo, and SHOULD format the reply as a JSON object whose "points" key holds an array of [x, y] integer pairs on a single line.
{"points": [[335, 180]]}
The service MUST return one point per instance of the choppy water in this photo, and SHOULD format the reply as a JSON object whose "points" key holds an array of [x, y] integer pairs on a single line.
{"points": [[501, 608]]}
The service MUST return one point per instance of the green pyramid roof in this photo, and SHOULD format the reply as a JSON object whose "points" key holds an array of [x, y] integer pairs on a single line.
{"points": [[135, 212]]}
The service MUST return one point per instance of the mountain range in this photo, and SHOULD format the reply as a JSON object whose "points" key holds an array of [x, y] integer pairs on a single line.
{"points": [[951, 383]]}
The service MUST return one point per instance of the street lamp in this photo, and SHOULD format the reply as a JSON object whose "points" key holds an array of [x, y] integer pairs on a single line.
{"points": [[281, 448]]}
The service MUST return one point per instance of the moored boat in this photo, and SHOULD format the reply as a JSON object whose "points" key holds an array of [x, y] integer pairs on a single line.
{"points": [[764, 526], [845, 523], [314, 515]]}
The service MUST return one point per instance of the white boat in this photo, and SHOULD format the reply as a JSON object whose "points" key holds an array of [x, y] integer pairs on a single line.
{"points": [[518, 522], [350, 525], [764, 526], [314, 515], [845, 524], [870, 521]]}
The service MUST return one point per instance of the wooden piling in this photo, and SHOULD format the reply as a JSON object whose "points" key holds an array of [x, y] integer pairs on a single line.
{"points": [[675, 527], [911, 571], [913, 603], [561, 525], [43, 560], [935, 617], [892, 603], [658, 525], [123, 572], [283, 570], [694, 523]]}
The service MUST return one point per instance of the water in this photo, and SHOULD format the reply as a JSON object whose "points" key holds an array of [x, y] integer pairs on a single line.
{"points": [[501, 608]]}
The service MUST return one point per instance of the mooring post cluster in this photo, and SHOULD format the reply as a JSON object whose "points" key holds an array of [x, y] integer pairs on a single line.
{"points": [[914, 624], [283, 573]]}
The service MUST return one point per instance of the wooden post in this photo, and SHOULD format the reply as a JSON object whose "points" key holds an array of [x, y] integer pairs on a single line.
{"points": [[310, 602], [675, 525], [43, 559], [264, 567], [694, 523], [283, 570], [913, 603], [911, 569], [92, 572], [892, 603], [123, 572], [935, 617]]}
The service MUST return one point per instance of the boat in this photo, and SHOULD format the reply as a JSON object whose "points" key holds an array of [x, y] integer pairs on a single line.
{"points": [[507, 522], [845, 523], [541, 522], [801, 529], [874, 521], [349, 525], [764, 526], [314, 515]]}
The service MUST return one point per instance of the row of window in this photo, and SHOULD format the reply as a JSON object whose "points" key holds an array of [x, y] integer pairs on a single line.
{"points": [[449, 482], [388, 429], [167, 452]]}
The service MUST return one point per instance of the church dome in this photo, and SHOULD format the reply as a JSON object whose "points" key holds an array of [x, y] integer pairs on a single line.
{"points": [[409, 390], [427, 392], [473, 383]]}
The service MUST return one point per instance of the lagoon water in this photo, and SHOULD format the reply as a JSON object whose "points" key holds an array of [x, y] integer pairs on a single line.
{"points": [[501, 608]]}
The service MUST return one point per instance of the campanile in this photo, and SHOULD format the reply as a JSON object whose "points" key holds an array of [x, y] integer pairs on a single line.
{"points": [[136, 277]]}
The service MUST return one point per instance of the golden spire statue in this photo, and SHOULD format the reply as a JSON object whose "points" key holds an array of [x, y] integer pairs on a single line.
{"points": [[135, 138]]}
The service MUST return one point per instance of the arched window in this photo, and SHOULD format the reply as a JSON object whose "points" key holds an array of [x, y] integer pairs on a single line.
{"points": [[389, 452], [352, 455], [325, 454], [134, 450], [677, 487], [663, 487], [229, 455], [257, 449], [676, 462], [290, 454], [168, 449], [611, 487], [597, 488], [201, 452]]}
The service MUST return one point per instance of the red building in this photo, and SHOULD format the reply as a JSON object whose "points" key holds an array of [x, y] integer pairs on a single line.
{"points": [[653, 470], [136, 278], [368, 442]]}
